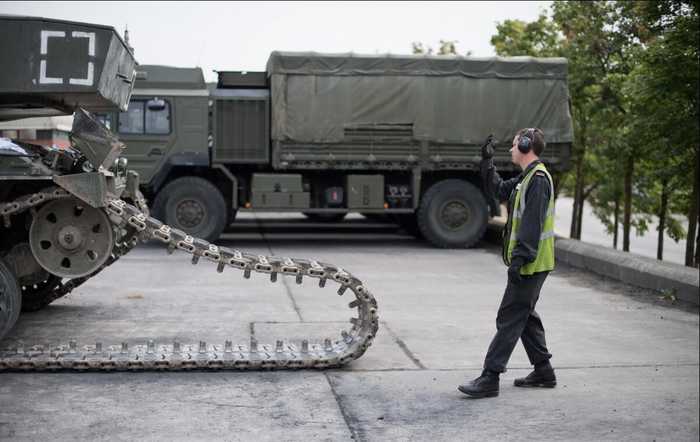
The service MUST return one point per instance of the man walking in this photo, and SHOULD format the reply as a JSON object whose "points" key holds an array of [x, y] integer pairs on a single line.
{"points": [[528, 251]]}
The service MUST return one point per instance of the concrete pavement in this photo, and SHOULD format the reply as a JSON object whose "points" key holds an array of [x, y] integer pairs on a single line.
{"points": [[627, 361]]}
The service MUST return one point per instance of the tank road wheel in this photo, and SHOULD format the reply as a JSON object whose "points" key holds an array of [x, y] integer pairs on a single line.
{"points": [[36, 284], [70, 239], [10, 299], [453, 214], [325, 217], [194, 205]]}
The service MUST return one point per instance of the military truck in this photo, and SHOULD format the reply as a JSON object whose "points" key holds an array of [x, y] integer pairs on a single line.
{"points": [[330, 134], [67, 214]]}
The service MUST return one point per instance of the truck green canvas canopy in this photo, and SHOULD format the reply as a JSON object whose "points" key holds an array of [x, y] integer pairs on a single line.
{"points": [[317, 97]]}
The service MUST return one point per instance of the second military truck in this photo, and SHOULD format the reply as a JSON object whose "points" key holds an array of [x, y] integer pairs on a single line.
{"points": [[331, 134]]}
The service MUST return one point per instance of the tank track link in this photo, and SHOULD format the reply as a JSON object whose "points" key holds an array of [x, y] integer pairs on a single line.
{"points": [[177, 356]]}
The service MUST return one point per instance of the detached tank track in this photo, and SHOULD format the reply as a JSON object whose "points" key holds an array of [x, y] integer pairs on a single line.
{"points": [[175, 356]]}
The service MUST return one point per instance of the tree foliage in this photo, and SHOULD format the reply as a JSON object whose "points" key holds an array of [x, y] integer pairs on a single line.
{"points": [[540, 38], [633, 81], [446, 47]]}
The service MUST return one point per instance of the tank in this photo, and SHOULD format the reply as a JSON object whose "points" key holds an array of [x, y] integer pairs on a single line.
{"points": [[54, 67], [66, 214]]}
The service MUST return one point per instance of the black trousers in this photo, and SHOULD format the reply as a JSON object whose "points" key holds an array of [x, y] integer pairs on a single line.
{"points": [[517, 319]]}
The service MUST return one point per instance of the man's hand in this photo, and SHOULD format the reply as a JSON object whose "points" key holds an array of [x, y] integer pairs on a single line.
{"points": [[514, 270], [487, 150]]}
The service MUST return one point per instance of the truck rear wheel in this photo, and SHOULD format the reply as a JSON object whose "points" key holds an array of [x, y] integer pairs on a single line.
{"points": [[453, 214], [194, 205], [10, 299]]}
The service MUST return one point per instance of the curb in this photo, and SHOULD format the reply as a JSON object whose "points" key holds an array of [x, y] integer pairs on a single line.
{"points": [[630, 268]]}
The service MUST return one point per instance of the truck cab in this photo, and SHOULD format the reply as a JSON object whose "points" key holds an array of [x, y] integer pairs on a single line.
{"points": [[166, 129], [166, 123]]}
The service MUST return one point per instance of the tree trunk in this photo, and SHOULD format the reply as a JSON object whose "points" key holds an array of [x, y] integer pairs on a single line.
{"points": [[627, 219], [579, 223], [575, 231], [557, 177], [617, 220], [691, 256], [574, 209], [662, 219], [697, 249], [574, 218], [585, 193]]}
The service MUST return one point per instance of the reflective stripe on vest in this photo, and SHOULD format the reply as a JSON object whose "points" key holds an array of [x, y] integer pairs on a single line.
{"points": [[544, 261]]}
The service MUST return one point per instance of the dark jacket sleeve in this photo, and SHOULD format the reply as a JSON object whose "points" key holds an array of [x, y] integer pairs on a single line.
{"points": [[532, 222], [494, 185]]}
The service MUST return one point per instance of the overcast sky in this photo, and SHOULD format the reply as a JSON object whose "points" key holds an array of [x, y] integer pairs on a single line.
{"points": [[241, 35]]}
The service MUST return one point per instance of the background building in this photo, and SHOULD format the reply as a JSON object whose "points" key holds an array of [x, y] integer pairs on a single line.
{"points": [[46, 131]]}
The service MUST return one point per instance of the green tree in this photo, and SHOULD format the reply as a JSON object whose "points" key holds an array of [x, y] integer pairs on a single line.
{"points": [[540, 38], [664, 93], [601, 44], [633, 80], [446, 47], [418, 48]]}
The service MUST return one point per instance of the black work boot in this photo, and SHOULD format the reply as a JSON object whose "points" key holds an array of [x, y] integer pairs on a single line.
{"points": [[485, 385], [542, 376]]}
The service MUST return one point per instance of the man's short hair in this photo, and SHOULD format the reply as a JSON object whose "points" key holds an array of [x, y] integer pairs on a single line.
{"points": [[537, 139]]}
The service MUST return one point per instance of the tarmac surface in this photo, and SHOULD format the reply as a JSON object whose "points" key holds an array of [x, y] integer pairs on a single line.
{"points": [[626, 359]]}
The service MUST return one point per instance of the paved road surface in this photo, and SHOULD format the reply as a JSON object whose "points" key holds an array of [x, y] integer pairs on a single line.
{"points": [[627, 363]]}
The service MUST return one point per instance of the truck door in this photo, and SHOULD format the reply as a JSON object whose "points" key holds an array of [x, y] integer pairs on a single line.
{"points": [[147, 130]]}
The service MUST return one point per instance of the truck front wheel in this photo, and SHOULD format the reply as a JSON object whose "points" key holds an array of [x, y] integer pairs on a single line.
{"points": [[453, 214], [194, 205]]}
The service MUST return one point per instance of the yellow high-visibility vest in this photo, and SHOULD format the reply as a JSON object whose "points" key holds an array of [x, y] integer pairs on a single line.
{"points": [[545, 250]]}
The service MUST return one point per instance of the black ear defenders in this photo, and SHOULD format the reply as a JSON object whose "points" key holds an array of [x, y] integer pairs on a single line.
{"points": [[525, 141]]}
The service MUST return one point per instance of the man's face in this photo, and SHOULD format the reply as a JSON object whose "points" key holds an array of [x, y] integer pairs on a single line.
{"points": [[515, 154]]}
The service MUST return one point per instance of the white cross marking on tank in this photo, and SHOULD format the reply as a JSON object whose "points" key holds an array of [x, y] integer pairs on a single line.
{"points": [[45, 35], [89, 80], [91, 52], [91, 44]]}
